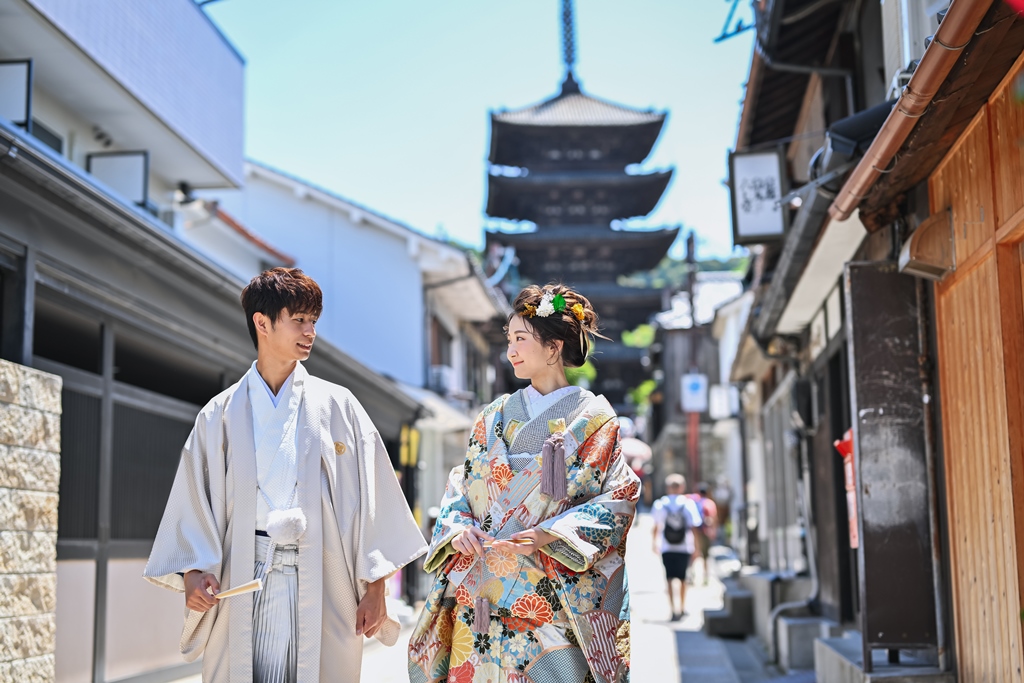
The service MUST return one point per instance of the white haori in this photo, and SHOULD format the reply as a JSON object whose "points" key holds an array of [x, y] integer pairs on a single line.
{"points": [[360, 529]]}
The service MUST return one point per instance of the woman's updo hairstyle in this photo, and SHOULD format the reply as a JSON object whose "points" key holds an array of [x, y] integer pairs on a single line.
{"points": [[574, 323]]}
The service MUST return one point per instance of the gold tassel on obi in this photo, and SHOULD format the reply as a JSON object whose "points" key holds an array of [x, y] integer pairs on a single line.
{"points": [[552, 466], [482, 615]]}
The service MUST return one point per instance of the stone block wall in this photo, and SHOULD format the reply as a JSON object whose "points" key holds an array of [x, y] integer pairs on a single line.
{"points": [[30, 408]]}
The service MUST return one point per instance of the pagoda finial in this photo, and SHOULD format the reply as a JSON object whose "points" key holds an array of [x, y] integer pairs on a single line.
{"points": [[568, 40]]}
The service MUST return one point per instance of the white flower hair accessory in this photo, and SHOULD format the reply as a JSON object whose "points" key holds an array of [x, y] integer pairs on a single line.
{"points": [[550, 303]]}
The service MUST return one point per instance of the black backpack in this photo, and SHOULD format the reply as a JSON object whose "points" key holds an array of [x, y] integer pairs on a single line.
{"points": [[677, 523]]}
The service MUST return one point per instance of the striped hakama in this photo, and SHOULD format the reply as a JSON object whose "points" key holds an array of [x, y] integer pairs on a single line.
{"points": [[275, 628]]}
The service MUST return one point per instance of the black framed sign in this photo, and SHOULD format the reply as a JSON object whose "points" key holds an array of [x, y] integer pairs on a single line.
{"points": [[756, 184]]}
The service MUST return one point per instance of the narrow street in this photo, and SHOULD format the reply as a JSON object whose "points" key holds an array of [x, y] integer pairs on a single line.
{"points": [[663, 651]]}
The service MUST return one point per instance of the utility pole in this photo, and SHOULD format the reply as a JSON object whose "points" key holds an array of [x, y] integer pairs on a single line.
{"points": [[693, 418]]}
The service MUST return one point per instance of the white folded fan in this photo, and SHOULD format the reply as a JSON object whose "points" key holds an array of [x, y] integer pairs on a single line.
{"points": [[251, 587]]}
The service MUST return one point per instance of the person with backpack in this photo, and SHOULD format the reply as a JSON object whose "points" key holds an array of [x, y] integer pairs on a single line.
{"points": [[675, 518]]}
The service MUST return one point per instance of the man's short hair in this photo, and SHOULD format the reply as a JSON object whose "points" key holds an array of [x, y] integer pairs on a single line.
{"points": [[702, 488], [276, 289], [675, 480]]}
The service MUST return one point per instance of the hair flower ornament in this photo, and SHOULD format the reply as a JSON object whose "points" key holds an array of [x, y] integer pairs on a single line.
{"points": [[577, 310], [529, 310], [551, 303], [546, 306]]}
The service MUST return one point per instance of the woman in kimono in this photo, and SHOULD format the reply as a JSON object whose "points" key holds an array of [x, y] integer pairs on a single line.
{"points": [[529, 545]]}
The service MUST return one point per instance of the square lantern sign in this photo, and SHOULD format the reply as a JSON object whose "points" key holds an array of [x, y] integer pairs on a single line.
{"points": [[755, 180]]}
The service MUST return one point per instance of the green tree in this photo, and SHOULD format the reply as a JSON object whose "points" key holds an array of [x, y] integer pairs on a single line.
{"points": [[641, 395], [582, 376], [639, 338]]}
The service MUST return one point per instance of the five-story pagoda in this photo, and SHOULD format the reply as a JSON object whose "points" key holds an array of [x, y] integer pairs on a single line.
{"points": [[561, 165]]}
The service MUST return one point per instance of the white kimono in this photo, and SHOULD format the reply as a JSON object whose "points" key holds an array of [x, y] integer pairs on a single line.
{"points": [[359, 530]]}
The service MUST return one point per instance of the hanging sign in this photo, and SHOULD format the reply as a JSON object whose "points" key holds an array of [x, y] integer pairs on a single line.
{"points": [[694, 393], [755, 180]]}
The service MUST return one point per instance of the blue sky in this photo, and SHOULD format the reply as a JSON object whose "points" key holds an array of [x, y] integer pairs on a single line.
{"points": [[386, 102]]}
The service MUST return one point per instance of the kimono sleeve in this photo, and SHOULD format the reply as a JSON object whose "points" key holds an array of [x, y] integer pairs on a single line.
{"points": [[191, 532], [589, 531], [454, 518], [387, 537]]}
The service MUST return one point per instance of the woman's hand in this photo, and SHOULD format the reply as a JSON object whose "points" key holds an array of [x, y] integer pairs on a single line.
{"points": [[533, 540], [471, 541]]}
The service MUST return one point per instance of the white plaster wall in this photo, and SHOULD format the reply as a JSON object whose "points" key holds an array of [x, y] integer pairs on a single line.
{"points": [[729, 342], [227, 249], [76, 590], [152, 48], [373, 305], [79, 140], [143, 622]]}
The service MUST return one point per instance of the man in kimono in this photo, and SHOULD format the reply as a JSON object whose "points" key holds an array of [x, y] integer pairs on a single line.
{"points": [[283, 479]]}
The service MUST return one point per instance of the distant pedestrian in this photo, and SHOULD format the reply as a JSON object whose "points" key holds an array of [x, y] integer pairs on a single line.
{"points": [[675, 518], [707, 532]]}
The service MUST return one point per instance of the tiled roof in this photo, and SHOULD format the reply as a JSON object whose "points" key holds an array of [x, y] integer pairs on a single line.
{"points": [[577, 109], [249, 236]]}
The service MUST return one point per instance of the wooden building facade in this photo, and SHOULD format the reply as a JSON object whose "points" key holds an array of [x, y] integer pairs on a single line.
{"points": [[979, 312], [945, 174]]}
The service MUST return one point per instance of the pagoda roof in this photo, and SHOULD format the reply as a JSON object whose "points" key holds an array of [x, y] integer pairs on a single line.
{"points": [[616, 352], [572, 108], [621, 308], [574, 198], [588, 254], [596, 234], [574, 130]]}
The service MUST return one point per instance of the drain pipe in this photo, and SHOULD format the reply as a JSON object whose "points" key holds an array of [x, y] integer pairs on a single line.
{"points": [[954, 34], [773, 649], [924, 368]]}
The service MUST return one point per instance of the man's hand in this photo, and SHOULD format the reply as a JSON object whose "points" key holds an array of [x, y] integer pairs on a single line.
{"points": [[372, 610], [198, 587], [535, 540], [471, 541]]}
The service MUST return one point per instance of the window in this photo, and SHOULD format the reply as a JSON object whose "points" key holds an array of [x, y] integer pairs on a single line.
{"points": [[440, 344], [46, 136], [79, 466], [150, 364], [66, 336], [147, 448]]}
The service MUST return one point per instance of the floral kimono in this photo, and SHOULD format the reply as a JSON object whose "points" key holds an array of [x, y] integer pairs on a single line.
{"points": [[562, 613]]}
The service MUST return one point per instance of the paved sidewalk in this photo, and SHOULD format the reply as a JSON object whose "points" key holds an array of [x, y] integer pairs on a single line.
{"points": [[663, 651]]}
